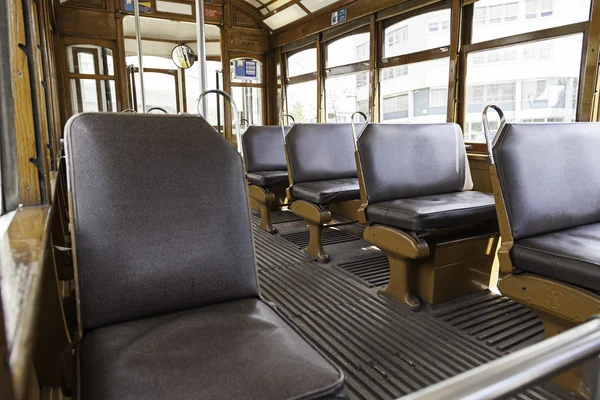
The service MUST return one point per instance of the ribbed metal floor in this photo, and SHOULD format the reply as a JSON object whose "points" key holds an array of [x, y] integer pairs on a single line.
{"points": [[330, 236], [385, 349], [373, 271]]}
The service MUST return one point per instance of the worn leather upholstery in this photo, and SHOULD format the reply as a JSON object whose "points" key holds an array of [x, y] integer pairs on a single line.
{"points": [[549, 175], [571, 255], [167, 282], [151, 216], [325, 192], [417, 177], [435, 211], [321, 152], [236, 350], [263, 148], [268, 178]]}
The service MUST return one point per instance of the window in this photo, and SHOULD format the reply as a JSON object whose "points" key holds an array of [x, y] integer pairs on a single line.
{"points": [[192, 89], [338, 54], [302, 101], [537, 85], [249, 102], [98, 92], [395, 106], [348, 79], [303, 62], [424, 95], [161, 84], [344, 95], [524, 16], [362, 51], [429, 30], [479, 15]]}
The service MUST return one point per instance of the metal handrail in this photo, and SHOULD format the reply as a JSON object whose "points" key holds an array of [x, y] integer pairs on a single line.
{"points": [[513, 373], [238, 134], [486, 129], [282, 123], [354, 128]]}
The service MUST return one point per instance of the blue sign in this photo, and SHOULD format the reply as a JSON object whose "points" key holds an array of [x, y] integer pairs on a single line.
{"points": [[145, 6], [339, 16], [245, 69]]}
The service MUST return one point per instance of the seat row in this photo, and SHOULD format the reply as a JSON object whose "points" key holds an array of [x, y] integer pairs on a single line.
{"points": [[411, 185]]}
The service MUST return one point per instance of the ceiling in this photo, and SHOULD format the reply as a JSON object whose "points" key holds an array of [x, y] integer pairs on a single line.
{"points": [[279, 13]]}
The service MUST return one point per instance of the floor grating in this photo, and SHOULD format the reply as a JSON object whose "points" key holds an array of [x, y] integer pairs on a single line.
{"points": [[330, 236], [384, 349], [374, 271]]}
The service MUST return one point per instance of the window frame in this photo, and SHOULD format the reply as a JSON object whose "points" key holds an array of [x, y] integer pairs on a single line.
{"points": [[532, 37]]}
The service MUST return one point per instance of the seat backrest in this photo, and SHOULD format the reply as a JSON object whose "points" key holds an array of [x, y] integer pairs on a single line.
{"points": [[159, 213], [549, 176], [401, 161], [320, 152], [263, 148]]}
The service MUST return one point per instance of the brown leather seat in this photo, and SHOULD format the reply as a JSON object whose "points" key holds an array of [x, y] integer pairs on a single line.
{"points": [[268, 178], [325, 192], [168, 294]]}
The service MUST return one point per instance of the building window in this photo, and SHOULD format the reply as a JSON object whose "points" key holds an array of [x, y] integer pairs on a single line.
{"points": [[539, 8], [397, 104], [438, 97], [397, 36], [496, 14], [479, 16], [362, 51], [434, 26]]}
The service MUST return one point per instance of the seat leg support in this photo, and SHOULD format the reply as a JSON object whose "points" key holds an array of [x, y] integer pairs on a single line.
{"points": [[264, 200], [315, 217], [403, 281], [560, 306]]}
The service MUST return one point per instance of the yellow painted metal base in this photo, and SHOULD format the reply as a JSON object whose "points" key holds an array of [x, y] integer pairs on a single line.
{"points": [[315, 217], [560, 307], [434, 271], [264, 201]]}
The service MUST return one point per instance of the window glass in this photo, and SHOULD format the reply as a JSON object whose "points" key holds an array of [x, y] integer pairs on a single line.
{"points": [[92, 95], [421, 32], [302, 101], [415, 93], [493, 19], [347, 94], [348, 50], [192, 90], [160, 87], [160, 91], [249, 102], [303, 62], [90, 60], [540, 83]]}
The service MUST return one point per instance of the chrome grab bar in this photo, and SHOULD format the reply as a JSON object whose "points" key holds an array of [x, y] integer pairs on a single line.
{"points": [[283, 123], [517, 371], [129, 110], [486, 129], [247, 124], [238, 134], [354, 128]]}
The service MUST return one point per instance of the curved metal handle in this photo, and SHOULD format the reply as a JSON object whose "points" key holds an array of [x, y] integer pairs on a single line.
{"points": [[238, 135], [247, 122], [283, 124], [157, 108], [129, 110], [354, 128], [486, 129]]}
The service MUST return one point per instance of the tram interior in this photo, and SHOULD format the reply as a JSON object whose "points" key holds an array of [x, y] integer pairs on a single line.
{"points": [[299, 199]]}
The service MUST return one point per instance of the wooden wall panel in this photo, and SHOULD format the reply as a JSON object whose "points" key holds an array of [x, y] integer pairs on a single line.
{"points": [[248, 40], [29, 185], [86, 23]]}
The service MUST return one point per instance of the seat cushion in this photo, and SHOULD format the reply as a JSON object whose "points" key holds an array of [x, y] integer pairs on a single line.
{"points": [[325, 192], [571, 255], [236, 350], [434, 212], [268, 178]]}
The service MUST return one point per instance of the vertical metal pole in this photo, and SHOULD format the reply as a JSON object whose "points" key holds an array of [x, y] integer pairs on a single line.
{"points": [[218, 104], [201, 49], [138, 38]]}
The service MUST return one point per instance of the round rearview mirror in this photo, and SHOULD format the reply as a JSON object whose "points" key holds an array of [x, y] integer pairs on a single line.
{"points": [[183, 56]]}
